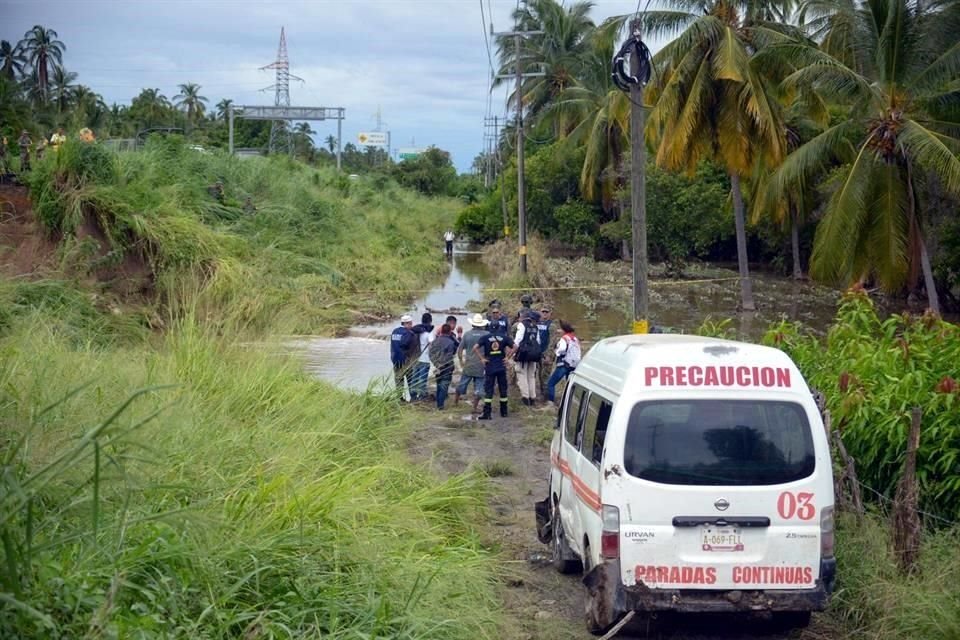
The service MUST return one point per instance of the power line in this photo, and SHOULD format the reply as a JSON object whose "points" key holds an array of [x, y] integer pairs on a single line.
{"points": [[486, 40]]}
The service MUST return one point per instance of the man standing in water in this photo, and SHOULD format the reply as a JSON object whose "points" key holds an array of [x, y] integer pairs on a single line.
{"points": [[448, 238], [403, 353]]}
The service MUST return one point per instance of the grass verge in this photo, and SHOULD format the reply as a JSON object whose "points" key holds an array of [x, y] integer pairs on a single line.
{"points": [[201, 489]]}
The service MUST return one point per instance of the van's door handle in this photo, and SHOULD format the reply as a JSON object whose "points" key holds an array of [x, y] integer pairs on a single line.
{"points": [[744, 522]]}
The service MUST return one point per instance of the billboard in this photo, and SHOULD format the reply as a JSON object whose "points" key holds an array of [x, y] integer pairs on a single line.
{"points": [[409, 153], [372, 138]]}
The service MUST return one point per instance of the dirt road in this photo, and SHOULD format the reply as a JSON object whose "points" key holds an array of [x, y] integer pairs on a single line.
{"points": [[514, 452]]}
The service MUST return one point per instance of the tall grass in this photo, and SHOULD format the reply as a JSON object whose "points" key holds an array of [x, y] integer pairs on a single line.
{"points": [[200, 489], [874, 601], [317, 248]]}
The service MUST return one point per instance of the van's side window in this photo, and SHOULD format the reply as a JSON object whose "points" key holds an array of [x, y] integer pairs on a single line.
{"points": [[595, 431], [574, 418]]}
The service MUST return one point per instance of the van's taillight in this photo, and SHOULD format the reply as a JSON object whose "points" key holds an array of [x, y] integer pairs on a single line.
{"points": [[826, 532], [610, 536]]}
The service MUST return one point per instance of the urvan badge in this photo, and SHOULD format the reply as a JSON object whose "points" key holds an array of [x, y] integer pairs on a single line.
{"points": [[721, 504]]}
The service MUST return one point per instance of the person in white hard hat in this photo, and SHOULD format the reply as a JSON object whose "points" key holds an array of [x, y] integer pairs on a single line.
{"points": [[470, 363], [404, 348]]}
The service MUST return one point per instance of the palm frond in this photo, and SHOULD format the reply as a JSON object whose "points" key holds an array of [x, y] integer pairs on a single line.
{"points": [[813, 158], [730, 60], [885, 245], [839, 232], [832, 79], [942, 70], [929, 152], [703, 32], [767, 116]]}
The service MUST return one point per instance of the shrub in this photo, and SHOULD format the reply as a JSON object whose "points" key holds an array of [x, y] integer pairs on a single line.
{"points": [[873, 372]]}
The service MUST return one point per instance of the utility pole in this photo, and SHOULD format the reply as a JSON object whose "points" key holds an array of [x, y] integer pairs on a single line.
{"points": [[638, 195], [632, 82], [519, 76]]}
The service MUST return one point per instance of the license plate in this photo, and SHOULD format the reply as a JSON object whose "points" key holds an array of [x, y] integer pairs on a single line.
{"points": [[721, 539]]}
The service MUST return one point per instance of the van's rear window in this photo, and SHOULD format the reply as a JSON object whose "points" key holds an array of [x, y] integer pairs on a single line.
{"points": [[719, 442]]}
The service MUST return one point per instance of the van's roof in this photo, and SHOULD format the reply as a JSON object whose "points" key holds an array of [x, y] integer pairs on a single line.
{"points": [[619, 361]]}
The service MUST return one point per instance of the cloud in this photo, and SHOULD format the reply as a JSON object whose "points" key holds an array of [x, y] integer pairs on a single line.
{"points": [[422, 62]]}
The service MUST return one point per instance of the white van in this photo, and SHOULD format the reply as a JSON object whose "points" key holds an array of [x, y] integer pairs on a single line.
{"points": [[691, 474]]}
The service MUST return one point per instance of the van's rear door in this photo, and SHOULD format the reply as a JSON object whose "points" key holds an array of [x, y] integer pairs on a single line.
{"points": [[722, 493]]}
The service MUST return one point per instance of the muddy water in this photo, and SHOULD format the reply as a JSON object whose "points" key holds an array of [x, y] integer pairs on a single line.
{"points": [[361, 359], [679, 306]]}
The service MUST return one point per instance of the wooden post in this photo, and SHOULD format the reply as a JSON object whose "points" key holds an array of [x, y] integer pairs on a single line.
{"points": [[849, 475], [906, 517]]}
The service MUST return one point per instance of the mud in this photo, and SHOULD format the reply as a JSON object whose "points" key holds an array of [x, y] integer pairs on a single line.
{"points": [[539, 602]]}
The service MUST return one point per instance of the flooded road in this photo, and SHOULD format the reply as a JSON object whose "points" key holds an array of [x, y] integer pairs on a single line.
{"points": [[596, 302], [361, 359]]}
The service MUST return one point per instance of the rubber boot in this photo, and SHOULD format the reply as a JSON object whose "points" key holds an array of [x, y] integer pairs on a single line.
{"points": [[503, 408], [486, 411]]}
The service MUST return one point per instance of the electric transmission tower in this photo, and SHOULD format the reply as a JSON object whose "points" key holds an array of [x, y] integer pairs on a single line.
{"points": [[280, 135]]}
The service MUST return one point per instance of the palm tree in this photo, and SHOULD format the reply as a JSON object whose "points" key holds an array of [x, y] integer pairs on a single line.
{"points": [[302, 138], [599, 115], [558, 51], [903, 128], [190, 101], [12, 60], [62, 87], [223, 107], [331, 142], [150, 108], [90, 106], [42, 50], [711, 100]]}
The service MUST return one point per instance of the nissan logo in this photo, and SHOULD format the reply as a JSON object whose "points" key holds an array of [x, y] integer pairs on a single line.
{"points": [[721, 504]]}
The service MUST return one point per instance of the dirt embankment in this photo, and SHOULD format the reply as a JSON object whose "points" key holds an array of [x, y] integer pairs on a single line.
{"points": [[28, 250], [539, 602], [24, 247]]}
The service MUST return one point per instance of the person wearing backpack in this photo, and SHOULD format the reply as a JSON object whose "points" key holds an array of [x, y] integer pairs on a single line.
{"points": [[527, 359], [568, 357], [442, 350]]}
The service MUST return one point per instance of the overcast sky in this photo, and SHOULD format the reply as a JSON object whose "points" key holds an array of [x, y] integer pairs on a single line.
{"points": [[423, 62]]}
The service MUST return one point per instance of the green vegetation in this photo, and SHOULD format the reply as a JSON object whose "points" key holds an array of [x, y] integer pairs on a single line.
{"points": [[831, 121], [194, 481], [205, 489], [873, 373], [873, 600], [297, 263]]}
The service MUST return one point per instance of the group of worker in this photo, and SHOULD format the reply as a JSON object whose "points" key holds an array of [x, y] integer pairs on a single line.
{"points": [[528, 346], [25, 143]]}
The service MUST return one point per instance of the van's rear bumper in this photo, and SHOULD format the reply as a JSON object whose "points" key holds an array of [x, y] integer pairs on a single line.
{"points": [[614, 602]]}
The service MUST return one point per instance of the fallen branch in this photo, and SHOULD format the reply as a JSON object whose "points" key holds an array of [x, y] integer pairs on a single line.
{"points": [[627, 618]]}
